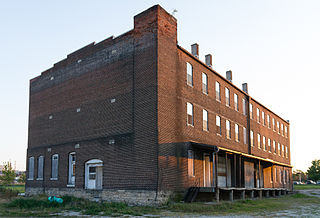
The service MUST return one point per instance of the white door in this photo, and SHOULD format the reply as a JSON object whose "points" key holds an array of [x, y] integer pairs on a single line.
{"points": [[92, 177]]}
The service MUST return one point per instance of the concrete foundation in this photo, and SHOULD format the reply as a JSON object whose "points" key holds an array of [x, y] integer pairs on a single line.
{"points": [[131, 197]]}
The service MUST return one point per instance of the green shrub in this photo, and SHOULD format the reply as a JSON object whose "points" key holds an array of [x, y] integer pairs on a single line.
{"points": [[29, 203]]}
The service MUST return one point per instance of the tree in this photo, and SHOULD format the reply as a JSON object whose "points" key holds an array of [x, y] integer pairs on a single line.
{"points": [[299, 175], [8, 174], [314, 171], [22, 178]]}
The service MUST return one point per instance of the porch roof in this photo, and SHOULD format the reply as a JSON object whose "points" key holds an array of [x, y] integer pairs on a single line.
{"points": [[255, 157], [213, 148]]}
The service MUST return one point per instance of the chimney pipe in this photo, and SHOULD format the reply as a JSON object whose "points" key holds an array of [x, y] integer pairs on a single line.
{"points": [[209, 60], [229, 75], [245, 87], [195, 50]]}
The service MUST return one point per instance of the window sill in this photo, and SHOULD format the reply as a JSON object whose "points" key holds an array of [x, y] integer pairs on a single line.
{"points": [[189, 85], [30, 179], [218, 100], [190, 125], [205, 130], [39, 179], [219, 134], [70, 186], [205, 93], [53, 179]]}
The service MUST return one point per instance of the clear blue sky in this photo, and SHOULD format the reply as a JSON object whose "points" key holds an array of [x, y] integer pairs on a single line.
{"points": [[273, 45]]}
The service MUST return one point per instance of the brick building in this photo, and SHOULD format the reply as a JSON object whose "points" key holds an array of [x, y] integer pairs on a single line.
{"points": [[137, 117]]}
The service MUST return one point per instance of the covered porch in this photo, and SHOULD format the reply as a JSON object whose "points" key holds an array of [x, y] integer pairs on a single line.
{"points": [[229, 175]]}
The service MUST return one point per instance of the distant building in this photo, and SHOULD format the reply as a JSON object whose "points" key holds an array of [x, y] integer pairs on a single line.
{"points": [[137, 117]]}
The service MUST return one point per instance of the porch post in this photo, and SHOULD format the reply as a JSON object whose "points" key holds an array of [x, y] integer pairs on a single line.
{"points": [[216, 177], [226, 157]]}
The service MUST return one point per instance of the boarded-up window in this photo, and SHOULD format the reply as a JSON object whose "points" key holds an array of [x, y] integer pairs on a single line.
{"points": [[189, 114], [189, 74], [54, 166], [190, 163], [251, 138], [244, 107], [244, 135], [236, 105], [227, 96], [218, 95], [31, 168], [236, 132], [269, 144], [205, 120], [228, 129], [204, 83], [40, 167], [218, 124]]}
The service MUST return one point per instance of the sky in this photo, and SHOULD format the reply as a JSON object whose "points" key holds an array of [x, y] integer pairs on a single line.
{"points": [[273, 45]]}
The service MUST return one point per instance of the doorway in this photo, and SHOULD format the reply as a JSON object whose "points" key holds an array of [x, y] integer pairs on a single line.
{"points": [[207, 170], [93, 174]]}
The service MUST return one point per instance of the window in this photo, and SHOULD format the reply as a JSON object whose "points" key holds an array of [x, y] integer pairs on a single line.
{"points": [[273, 125], [282, 129], [259, 144], [286, 131], [274, 147], [190, 114], [205, 119], [278, 127], [218, 124], [244, 135], [268, 120], [269, 144], [236, 131], [279, 149], [264, 143], [228, 129], [286, 151], [236, 105], [251, 138], [282, 150], [72, 169], [204, 83], [190, 163], [40, 168], [54, 167], [263, 120], [218, 95], [227, 96], [251, 109], [31, 168], [275, 174], [244, 110], [189, 74], [258, 115]]}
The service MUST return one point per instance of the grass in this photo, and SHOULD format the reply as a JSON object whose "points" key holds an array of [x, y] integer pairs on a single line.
{"points": [[40, 206], [304, 187], [18, 188]]}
